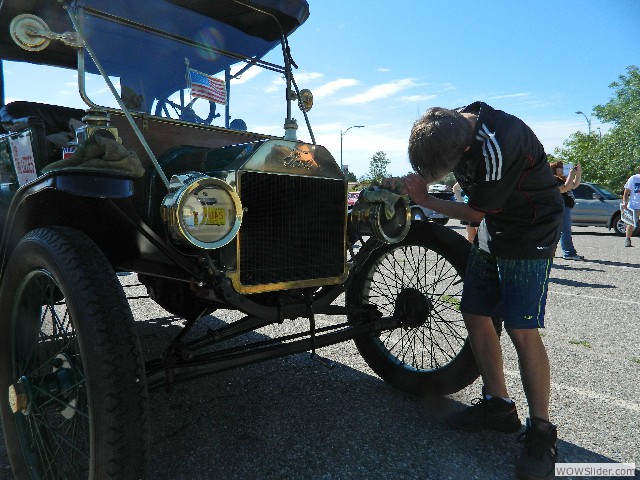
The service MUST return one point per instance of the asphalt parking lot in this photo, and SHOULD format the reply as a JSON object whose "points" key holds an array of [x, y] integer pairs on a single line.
{"points": [[295, 418]]}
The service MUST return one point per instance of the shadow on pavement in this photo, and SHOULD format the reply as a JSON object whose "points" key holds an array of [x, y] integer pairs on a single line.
{"points": [[574, 283], [293, 418]]}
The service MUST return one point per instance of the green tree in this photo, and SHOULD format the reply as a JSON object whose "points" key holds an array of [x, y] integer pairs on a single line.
{"points": [[350, 176], [378, 167], [614, 157]]}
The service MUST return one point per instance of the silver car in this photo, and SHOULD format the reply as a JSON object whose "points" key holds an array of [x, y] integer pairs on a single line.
{"points": [[597, 206]]}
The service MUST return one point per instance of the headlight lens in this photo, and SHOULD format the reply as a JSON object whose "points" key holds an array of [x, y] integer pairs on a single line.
{"points": [[202, 211]]}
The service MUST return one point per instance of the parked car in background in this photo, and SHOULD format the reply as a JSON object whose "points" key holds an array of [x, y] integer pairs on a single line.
{"points": [[352, 197], [597, 206], [418, 212]]}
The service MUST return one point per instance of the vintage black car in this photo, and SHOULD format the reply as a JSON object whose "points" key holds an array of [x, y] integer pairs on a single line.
{"points": [[168, 181]]}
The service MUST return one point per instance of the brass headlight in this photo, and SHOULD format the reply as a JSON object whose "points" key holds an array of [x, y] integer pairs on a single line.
{"points": [[370, 218], [201, 211]]}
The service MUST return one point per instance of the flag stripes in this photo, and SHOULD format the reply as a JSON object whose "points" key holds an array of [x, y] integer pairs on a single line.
{"points": [[207, 87]]}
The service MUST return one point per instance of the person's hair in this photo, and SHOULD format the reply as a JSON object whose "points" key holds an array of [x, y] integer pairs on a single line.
{"points": [[437, 141], [555, 165]]}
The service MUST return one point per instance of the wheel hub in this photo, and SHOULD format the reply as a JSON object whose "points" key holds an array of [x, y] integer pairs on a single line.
{"points": [[58, 384], [18, 398], [412, 307]]}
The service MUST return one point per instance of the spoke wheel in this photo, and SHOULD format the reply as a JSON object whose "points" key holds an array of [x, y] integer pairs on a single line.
{"points": [[177, 107], [73, 395], [419, 280]]}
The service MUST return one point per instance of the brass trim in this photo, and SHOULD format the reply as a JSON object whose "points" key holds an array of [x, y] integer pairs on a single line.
{"points": [[234, 276]]}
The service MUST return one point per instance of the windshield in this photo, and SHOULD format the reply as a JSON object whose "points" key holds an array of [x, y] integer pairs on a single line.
{"points": [[175, 63], [606, 193]]}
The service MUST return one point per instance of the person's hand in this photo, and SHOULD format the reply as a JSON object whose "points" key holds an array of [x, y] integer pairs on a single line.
{"points": [[416, 187], [394, 184]]}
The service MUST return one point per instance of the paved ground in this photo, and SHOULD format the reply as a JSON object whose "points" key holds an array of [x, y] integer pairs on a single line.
{"points": [[294, 418]]}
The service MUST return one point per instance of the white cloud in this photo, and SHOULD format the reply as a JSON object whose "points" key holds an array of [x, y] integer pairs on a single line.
{"points": [[418, 98], [307, 77], [553, 133], [381, 91], [246, 75], [511, 95], [332, 87], [278, 81]]}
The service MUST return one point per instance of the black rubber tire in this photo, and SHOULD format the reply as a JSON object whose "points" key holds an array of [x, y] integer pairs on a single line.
{"points": [[434, 358], [619, 227], [66, 318]]}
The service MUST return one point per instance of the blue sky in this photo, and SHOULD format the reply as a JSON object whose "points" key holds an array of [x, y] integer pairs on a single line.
{"points": [[381, 64]]}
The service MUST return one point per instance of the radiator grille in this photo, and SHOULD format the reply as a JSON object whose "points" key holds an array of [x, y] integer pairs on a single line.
{"points": [[293, 228]]}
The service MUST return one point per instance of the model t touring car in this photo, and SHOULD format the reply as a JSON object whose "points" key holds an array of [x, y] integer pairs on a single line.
{"points": [[168, 180]]}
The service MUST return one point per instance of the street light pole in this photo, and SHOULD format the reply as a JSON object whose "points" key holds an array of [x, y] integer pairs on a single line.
{"points": [[587, 119], [342, 135], [579, 112]]}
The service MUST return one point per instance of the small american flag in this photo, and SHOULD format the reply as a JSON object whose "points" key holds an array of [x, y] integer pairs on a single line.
{"points": [[207, 87]]}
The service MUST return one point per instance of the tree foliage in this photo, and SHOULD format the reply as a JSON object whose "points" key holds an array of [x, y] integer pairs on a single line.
{"points": [[350, 176], [378, 167], [611, 159]]}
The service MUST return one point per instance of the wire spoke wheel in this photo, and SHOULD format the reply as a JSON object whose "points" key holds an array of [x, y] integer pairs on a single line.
{"points": [[436, 342], [73, 396], [418, 280], [46, 358]]}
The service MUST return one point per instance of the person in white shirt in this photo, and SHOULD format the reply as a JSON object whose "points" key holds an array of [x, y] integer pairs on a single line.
{"points": [[631, 200]]}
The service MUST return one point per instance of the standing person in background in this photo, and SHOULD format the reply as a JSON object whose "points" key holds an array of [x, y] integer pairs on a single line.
{"points": [[566, 184], [631, 200], [471, 227]]}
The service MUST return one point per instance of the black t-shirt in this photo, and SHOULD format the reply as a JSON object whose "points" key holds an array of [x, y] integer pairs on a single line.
{"points": [[567, 197], [506, 175]]}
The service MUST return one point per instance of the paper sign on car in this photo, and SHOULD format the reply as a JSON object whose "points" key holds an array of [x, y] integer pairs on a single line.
{"points": [[23, 160]]}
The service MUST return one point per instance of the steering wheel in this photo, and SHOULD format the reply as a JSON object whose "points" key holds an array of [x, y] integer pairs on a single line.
{"points": [[174, 106]]}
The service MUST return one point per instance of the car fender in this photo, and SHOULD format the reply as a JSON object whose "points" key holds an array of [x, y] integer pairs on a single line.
{"points": [[72, 198]]}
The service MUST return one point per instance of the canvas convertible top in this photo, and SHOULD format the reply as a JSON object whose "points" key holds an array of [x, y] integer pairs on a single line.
{"points": [[290, 14]]}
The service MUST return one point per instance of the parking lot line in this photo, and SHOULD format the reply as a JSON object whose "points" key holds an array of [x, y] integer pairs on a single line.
{"points": [[590, 394], [594, 297]]}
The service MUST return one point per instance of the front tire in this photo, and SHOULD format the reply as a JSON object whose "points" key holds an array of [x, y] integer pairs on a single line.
{"points": [[68, 352], [619, 227], [435, 357]]}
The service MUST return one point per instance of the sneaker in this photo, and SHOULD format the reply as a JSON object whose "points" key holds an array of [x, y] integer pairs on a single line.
{"points": [[539, 453], [573, 257], [628, 243], [491, 414]]}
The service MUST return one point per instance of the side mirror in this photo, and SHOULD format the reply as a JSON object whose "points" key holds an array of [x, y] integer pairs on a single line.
{"points": [[597, 196]]}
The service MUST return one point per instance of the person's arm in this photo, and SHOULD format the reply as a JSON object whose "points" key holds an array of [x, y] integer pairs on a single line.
{"points": [[578, 179], [569, 183], [625, 196], [416, 187]]}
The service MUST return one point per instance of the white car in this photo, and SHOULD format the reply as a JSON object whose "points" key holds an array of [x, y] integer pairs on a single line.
{"points": [[418, 212]]}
